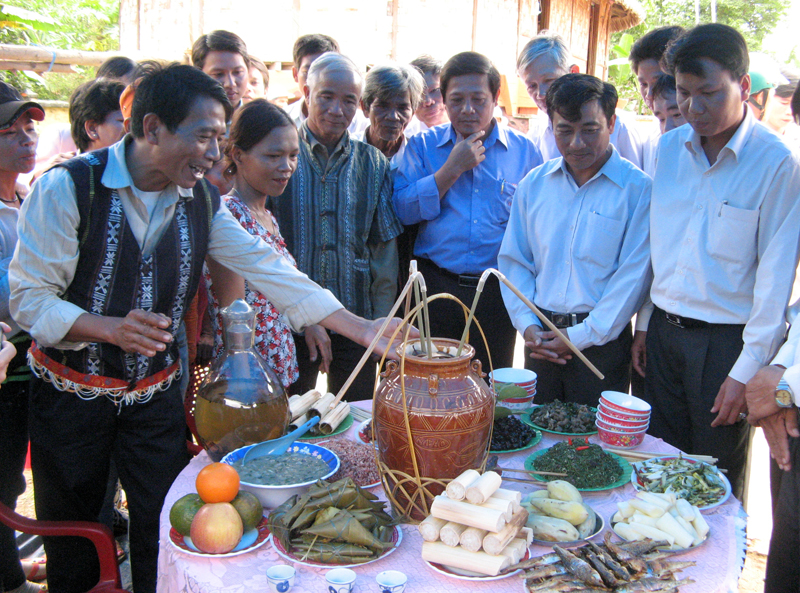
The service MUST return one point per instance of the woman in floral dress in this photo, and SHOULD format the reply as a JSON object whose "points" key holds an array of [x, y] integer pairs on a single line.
{"points": [[261, 156]]}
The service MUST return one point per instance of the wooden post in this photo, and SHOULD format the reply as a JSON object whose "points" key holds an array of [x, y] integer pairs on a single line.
{"points": [[474, 24], [395, 26], [38, 67]]}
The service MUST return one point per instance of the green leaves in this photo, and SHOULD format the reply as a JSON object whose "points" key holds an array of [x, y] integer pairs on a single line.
{"points": [[15, 17]]}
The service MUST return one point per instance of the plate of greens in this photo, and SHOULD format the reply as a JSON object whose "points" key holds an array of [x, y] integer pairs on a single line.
{"points": [[589, 467], [701, 484]]}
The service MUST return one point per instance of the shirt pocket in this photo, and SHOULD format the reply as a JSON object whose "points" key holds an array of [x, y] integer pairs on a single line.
{"points": [[732, 233], [500, 204], [599, 239]]}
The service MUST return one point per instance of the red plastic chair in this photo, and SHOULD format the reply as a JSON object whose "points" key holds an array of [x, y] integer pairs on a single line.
{"points": [[99, 534]]}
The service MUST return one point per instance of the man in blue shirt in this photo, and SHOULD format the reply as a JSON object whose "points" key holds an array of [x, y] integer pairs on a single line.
{"points": [[458, 182]]}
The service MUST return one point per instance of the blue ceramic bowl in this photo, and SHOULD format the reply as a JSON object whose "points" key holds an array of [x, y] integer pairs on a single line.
{"points": [[274, 496]]}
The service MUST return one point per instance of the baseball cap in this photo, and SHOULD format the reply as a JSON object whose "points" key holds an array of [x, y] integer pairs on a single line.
{"points": [[12, 106]]}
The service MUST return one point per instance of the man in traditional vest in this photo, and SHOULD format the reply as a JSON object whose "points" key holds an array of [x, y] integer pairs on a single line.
{"points": [[111, 246]]}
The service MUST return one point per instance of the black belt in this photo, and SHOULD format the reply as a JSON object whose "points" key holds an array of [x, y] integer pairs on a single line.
{"points": [[464, 280], [684, 322], [564, 319]]}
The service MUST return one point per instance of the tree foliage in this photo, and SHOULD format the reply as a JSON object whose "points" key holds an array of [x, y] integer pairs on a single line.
{"points": [[754, 19], [90, 25]]}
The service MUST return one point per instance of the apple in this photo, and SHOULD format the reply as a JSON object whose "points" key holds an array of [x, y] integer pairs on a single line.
{"points": [[216, 528]]}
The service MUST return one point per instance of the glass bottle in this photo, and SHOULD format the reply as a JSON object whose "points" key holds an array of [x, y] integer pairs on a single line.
{"points": [[242, 400]]}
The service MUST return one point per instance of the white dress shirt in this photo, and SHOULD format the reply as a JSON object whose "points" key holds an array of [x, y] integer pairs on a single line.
{"points": [[47, 253], [583, 249], [625, 138], [789, 358], [724, 237]]}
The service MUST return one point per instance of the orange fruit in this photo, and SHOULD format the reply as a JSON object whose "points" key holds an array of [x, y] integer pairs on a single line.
{"points": [[218, 482]]}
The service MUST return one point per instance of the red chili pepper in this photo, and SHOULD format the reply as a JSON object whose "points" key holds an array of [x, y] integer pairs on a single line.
{"points": [[570, 441], [582, 448]]}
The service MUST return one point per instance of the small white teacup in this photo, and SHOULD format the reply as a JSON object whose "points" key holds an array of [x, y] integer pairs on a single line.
{"points": [[280, 578], [340, 580], [391, 581]]}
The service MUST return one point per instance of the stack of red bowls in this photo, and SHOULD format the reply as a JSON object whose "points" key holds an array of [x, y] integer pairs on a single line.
{"points": [[622, 419], [520, 377]]}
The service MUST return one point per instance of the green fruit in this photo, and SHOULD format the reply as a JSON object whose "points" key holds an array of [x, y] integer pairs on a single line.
{"points": [[249, 508], [183, 511]]}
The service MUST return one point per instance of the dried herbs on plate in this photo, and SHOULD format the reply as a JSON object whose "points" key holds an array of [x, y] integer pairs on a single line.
{"points": [[586, 464]]}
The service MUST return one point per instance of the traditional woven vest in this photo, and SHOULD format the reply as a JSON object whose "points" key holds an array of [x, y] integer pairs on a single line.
{"points": [[112, 278]]}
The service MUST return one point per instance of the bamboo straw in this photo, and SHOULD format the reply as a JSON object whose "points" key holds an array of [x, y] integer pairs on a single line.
{"points": [[649, 455], [544, 319], [375, 341]]}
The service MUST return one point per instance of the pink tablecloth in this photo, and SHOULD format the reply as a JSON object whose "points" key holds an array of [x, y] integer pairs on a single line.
{"points": [[719, 560]]}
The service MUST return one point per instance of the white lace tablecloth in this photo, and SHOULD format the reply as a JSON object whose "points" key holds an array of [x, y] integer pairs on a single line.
{"points": [[719, 560]]}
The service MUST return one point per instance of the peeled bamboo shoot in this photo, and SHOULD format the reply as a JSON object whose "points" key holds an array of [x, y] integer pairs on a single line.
{"points": [[506, 506], [429, 529], [450, 534], [513, 495], [493, 543], [472, 539], [526, 533], [467, 514], [480, 491], [515, 549], [457, 488], [479, 562]]}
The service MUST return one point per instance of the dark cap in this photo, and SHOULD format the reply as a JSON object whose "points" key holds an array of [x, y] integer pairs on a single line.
{"points": [[12, 106]]}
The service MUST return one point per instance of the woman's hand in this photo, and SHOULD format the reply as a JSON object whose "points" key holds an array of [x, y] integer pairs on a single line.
{"points": [[319, 343]]}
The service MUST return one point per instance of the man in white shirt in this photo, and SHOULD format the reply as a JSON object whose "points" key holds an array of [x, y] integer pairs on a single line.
{"points": [[773, 396], [577, 244], [110, 251], [723, 237], [543, 60]]}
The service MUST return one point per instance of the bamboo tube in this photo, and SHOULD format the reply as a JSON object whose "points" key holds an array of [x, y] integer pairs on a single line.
{"points": [[301, 404], [515, 550], [493, 543], [450, 534], [322, 406], [334, 418], [457, 488], [467, 514], [513, 495], [506, 506], [480, 490], [38, 67], [430, 528], [479, 562], [526, 533], [472, 539], [297, 423]]}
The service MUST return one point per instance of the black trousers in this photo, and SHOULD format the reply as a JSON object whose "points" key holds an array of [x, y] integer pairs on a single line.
{"points": [[574, 382], [685, 369], [346, 355], [72, 443], [448, 318], [13, 449], [783, 567]]}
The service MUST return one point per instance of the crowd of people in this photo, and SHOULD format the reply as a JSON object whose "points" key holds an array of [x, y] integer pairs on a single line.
{"points": [[666, 253]]}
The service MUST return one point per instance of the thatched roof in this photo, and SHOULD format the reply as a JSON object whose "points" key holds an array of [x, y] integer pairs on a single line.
{"points": [[626, 14]]}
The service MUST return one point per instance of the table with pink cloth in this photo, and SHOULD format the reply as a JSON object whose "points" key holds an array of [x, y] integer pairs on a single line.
{"points": [[719, 559]]}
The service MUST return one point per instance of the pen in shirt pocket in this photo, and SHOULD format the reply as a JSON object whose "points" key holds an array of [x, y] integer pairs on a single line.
{"points": [[502, 185], [721, 206]]}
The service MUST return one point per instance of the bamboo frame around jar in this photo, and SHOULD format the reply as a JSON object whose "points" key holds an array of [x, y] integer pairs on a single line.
{"points": [[421, 482]]}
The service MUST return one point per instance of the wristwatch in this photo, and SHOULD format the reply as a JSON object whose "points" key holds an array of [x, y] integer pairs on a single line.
{"points": [[783, 394]]}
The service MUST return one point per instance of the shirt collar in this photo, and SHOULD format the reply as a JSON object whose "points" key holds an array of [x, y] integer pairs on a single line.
{"points": [[735, 144], [116, 174], [498, 133], [308, 136], [612, 169]]}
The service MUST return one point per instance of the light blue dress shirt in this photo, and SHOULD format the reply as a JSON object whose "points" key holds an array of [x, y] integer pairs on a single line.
{"points": [[461, 232]]}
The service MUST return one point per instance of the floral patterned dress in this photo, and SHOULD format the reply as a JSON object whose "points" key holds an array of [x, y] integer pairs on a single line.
{"points": [[273, 338]]}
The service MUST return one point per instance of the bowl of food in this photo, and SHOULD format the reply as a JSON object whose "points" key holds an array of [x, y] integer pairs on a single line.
{"points": [[622, 425], [625, 403], [276, 478], [615, 438], [618, 416]]}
